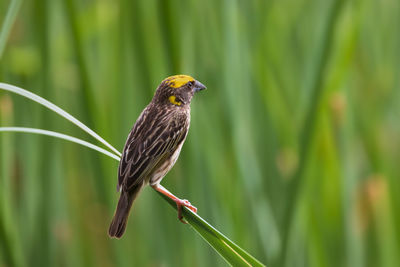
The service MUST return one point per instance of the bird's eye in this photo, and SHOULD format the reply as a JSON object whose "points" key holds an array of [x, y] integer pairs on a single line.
{"points": [[191, 83]]}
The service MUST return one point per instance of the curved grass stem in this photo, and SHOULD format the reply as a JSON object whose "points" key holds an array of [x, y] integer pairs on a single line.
{"points": [[58, 110], [61, 136]]}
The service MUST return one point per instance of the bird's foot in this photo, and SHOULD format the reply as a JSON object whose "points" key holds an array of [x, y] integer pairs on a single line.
{"points": [[185, 203]]}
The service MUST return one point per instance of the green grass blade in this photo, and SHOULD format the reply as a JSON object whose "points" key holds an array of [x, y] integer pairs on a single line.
{"points": [[61, 136], [8, 22], [308, 129], [56, 109], [231, 252]]}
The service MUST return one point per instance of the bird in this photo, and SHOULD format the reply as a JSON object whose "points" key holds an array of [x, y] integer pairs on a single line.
{"points": [[153, 146]]}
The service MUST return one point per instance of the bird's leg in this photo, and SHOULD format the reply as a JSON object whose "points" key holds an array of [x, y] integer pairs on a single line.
{"points": [[179, 202]]}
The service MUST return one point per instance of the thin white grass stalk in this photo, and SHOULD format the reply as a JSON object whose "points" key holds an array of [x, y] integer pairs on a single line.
{"points": [[61, 136], [56, 109]]}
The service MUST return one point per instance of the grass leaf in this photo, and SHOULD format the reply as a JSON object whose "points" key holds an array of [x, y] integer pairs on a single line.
{"points": [[8, 22], [56, 109], [61, 136]]}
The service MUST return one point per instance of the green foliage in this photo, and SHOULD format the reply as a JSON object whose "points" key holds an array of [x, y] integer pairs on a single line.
{"points": [[293, 148], [231, 252], [8, 22]]}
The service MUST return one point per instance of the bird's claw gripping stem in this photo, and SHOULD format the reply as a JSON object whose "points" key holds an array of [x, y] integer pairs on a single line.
{"points": [[185, 203], [179, 202]]}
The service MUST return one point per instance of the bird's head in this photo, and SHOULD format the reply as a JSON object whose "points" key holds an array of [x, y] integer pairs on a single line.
{"points": [[177, 90]]}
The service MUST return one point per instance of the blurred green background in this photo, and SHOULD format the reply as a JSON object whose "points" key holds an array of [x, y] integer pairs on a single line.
{"points": [[293, 150]]}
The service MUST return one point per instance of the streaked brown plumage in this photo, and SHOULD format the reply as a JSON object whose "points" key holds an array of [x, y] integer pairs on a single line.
{"points": [[153, 146]]}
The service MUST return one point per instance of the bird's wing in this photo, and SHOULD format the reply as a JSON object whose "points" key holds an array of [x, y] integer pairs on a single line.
{"points": [[152, 140]]}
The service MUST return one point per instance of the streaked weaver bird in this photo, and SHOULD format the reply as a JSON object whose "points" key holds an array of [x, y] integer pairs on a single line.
{"points": [[153, 146]]}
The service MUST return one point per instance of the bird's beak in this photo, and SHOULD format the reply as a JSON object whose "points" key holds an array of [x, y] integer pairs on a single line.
{"points": [[198, 86]]}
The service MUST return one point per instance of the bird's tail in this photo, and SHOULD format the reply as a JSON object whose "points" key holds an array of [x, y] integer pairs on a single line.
{"points": [[118, 223]]}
